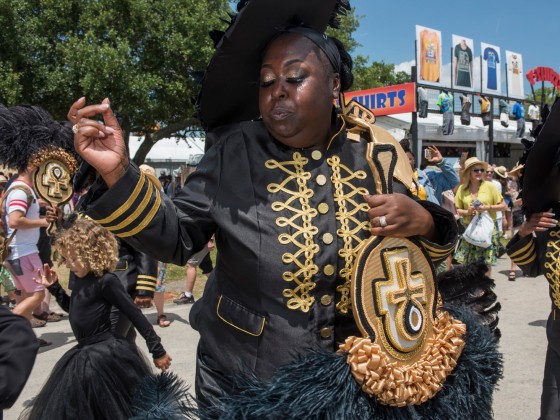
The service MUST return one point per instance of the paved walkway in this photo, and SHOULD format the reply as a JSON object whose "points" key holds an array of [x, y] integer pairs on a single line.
{"points": [[525, 308]]}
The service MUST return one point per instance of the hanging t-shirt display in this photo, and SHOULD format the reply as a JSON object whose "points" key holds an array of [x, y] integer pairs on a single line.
{"points": [[429, 54], [445, 104], [465, 110], [485, 110], [515, 75], [491, 74], [422, 102], [463, 59], [492, 58]]}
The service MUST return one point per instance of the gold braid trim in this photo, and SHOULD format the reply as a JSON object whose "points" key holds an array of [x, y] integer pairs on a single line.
{"points": [[349, 233], [303, 231], [552, 266], [397, 385]]}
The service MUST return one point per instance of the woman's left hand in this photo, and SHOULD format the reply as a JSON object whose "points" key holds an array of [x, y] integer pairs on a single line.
{"points": [[403, 216]]}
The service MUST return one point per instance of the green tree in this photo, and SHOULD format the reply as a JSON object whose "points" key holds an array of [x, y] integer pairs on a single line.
{"points": [[142, 54], [139, 53], [376, 74], [543, 95]]}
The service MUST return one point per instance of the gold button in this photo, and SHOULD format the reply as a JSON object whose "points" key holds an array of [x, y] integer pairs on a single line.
{"points": [[323, 208], [326, 300], [328, 270], [316, 155], [326, 332], [328, 238], [321, 179]]}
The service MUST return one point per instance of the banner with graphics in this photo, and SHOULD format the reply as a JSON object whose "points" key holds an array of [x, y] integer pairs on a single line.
{"points": [[490, 69], [463, 62], [428, 55], [386, 100], [514, 69]]}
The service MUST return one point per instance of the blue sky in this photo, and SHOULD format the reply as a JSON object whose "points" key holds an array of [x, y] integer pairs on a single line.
{"points": [[387, 28]]}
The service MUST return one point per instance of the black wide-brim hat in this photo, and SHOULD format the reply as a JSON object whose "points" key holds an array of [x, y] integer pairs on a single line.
{"points": [[230, 87], [541, 175]]}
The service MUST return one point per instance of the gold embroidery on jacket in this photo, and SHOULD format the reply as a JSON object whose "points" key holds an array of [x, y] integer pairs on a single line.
{"points": [[349, 204], [552, 264], [300, 223]]}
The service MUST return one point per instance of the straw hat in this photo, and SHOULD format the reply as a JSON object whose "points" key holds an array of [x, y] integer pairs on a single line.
{"points": [[469, 163], [515, 171], [3, 179], [501, 171]]}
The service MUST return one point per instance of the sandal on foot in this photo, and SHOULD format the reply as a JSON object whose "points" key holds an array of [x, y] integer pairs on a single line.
{"points": [[511, 276], [163, 321]]}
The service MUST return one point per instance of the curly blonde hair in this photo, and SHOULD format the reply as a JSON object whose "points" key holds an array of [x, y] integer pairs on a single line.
{"points": [[95, 247]]}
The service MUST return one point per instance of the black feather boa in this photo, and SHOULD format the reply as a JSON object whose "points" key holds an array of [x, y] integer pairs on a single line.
{"points": [[321, 386], [163, 397]]}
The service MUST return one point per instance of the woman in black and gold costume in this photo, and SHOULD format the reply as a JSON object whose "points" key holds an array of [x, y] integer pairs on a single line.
{"points": [[290, 197]]}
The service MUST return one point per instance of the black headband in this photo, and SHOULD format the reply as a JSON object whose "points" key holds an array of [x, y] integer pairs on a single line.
{"points": [[323, 42]]}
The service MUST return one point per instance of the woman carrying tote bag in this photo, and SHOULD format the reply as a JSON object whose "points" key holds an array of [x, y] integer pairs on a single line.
{"points": [[475, 196]]}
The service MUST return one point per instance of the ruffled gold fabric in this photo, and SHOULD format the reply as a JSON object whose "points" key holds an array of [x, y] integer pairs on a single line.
{"points": [[397, 385]]}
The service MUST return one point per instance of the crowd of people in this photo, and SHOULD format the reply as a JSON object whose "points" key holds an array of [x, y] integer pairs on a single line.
{"points": [[313, 189], [471, 188]]}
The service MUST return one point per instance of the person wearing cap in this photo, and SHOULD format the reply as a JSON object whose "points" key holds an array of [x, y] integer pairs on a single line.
{"points": [[535, 248], [290, 196], [476, 195]]}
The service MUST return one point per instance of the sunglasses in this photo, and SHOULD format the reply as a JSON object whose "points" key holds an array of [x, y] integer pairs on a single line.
{"points": [[478, 170], [489, 172]]}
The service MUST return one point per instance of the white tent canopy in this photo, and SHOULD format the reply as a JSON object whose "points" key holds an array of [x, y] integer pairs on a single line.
{"points": [[170, 149]]}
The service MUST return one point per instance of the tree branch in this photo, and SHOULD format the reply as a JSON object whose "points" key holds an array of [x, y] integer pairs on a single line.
{"points": [[151, 139]]}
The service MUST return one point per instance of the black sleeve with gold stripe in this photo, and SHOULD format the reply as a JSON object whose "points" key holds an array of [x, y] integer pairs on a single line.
{"points": [[446, 228], [147, 274], [524, 253], [137, 212]]}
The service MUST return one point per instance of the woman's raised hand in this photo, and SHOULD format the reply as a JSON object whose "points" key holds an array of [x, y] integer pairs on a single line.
{"points": [[100, 144], [47, 278]]}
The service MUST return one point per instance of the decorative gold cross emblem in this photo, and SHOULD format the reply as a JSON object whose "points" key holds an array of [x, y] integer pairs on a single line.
{"points": [[400, 299], [56, 179]]}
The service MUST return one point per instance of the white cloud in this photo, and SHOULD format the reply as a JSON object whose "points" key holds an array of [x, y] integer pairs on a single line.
{"points": [[406, 66]]}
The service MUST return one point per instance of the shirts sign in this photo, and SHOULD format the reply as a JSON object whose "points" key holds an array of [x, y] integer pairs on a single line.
{"points": [[543, 74], [387, 100]]}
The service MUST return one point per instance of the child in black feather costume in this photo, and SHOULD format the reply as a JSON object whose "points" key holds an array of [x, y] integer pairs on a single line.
{"points": [[95, 379]]}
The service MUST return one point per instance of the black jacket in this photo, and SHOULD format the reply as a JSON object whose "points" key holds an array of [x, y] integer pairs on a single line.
{"points": [[288, 224]]}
